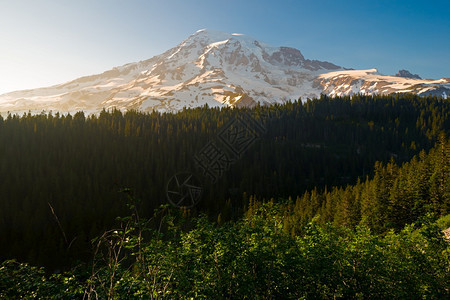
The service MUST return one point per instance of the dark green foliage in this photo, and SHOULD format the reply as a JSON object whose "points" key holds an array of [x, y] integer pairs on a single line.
{"points": [[22, 281], [394, 197], [253, 258]]}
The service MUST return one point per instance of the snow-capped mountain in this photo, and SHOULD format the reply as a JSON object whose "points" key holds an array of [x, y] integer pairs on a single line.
{"points": [[214, 68]]}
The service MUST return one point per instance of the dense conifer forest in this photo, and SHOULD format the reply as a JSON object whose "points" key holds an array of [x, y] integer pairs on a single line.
{"points": [[334, 197]]}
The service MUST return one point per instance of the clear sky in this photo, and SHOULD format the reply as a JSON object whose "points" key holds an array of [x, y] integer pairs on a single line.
{"points": [[53, 41]]}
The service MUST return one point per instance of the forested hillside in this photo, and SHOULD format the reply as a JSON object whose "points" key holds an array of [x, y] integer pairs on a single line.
{"points": [[390, 199], [61, 174]]}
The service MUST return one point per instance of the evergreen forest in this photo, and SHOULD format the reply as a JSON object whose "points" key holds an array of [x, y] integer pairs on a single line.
{"points": [[343, 197]]}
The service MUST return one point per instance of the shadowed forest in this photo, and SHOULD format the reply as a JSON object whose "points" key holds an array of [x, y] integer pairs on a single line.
{"points": [[334, 197]]}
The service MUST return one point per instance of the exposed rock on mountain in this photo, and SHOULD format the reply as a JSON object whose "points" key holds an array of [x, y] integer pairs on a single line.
{"points": [[407, 74]]}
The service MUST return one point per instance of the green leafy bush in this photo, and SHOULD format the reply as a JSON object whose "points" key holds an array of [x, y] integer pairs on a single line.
{"points": [[253, 258]]}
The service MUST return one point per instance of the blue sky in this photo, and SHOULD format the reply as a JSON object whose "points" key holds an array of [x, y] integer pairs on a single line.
{"points": [[48, 42]]}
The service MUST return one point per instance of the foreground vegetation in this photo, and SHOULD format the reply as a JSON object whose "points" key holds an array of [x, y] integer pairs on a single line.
{"points": [[253, 258]]}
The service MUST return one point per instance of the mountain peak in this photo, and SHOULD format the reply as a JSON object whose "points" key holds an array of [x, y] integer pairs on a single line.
{"points": [[209, 36], [210, 32], [215, 33], [407, 74], [249, 49]]}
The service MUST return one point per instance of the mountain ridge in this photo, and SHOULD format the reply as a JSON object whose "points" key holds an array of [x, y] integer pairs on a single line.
{"points": [[218, 69]]}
